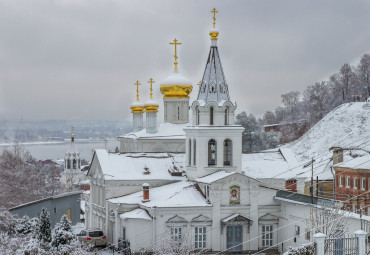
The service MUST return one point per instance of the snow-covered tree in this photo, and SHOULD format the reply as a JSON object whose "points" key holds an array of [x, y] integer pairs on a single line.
{"points": [[168, 244], [7, 222], [303, 249], [62, 233], [363, 74], [44, 227], [26, 225]]}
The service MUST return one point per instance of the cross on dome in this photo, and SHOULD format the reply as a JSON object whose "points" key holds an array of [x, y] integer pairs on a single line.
{"points": [[137, 89], [175, 43], [151, 81], [214, 11]]}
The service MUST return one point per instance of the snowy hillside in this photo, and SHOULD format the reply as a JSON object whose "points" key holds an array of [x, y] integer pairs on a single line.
{"points": [[347, 126]]}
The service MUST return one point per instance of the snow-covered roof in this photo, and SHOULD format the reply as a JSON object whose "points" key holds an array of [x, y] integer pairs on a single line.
{"points": [[214, 177], [136, 214], [346, 126], [164, 131], [176, 79], [357, 163], [179, 194], [130, 166]]}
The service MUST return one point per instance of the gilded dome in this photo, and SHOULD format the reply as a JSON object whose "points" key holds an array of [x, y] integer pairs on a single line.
{"points": [[176, 86]]}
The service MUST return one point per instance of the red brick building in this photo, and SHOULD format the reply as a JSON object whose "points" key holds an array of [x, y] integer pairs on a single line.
{"points": [[352, 181]]}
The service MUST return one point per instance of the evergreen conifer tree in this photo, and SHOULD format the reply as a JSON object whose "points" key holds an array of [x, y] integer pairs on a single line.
{"points": [[62, 233], [44, 229]]}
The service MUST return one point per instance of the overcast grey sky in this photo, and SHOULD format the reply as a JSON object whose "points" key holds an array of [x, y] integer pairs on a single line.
{"points": [[78, 59]]}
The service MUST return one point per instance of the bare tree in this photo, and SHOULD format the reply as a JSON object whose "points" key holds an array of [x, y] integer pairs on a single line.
{"points": [[363, 74], [328, 220], [169, 244]]}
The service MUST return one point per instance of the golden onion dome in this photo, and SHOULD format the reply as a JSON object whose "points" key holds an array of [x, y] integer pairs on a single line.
{"points": [[137, 107], [151, 106], [176, 86]]}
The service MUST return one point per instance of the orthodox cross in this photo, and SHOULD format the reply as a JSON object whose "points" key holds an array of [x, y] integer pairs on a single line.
{"points": [[137, 89], [175, 42], [151, 81], [214, 11]]}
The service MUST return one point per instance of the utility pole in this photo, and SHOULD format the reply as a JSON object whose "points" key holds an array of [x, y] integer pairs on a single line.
{"points": [[311, 188]]}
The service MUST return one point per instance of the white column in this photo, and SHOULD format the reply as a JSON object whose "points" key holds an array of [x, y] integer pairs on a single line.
{"points": [[137, 121], [361, 237], [151, 122], [319, 239]]}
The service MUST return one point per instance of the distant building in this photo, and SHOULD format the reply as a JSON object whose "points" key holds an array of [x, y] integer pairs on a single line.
{"points": [[57, 206], [353, 181]]}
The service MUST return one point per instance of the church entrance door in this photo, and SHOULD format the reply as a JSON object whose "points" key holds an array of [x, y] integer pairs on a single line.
{"points": [[234, 238]]}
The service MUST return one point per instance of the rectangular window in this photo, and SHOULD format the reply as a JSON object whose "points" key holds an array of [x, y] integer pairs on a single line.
{"points": [[348, 179], [297, 230], [308, 234], [340, 181], [355, 183], [200, 237], [363, 183], [176, 233], [267, 235], [354, 208]]}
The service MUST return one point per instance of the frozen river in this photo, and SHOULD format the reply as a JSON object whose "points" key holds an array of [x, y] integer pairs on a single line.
{"points": [[56, 150]]}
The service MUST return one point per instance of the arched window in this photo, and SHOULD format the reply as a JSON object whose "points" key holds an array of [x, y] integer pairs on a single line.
{"points": [[79, 164], [197, 116], [211, 116], [74, 163], [189, 152], [68, 164], [227, 115], [212, 152], [195, 152], [228, 154], [178, 112]]}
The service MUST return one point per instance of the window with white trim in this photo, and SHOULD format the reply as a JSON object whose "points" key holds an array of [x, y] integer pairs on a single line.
{"points": [[267, 237], [348, 179], [355, 183], [200, 237], [176, 233], [354, 208], [363, 183], [297, 230], [341, 181], [308, 234]]}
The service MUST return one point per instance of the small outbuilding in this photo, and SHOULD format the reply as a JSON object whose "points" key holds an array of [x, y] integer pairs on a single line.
{"points": [[58, 205]]}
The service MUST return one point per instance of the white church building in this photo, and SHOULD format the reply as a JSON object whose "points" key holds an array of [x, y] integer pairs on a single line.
{"points": [[188, 179]]}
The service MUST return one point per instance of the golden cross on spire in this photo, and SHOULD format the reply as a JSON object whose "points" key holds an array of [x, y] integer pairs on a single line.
{"points": [[214, 11], [137, 89], [151, 81], [175, 42]]}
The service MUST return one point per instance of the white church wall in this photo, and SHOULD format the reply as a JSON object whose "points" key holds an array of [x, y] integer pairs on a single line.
{"points": [[139, 232]]}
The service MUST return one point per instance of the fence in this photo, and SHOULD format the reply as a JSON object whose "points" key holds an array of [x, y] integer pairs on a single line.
{"points": [[341, 245]]}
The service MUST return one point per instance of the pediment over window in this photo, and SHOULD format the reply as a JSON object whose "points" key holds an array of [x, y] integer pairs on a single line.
{"points": [[269, 218], [177, 219], [236, 219], [201, 218]]}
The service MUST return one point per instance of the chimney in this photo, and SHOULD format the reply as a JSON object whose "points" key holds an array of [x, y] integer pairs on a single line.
{"points": [[291, 185], [146, 187], [337, 155]]}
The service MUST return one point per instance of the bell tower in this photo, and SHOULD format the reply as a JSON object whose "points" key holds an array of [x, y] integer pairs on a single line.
{"points": [[213, 131]]}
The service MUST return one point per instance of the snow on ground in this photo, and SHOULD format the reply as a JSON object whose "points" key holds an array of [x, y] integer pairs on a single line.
{"points": [[78, 227], [347, 126]]}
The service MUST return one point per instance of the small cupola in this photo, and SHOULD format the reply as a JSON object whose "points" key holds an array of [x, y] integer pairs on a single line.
{"points": [[137, 110], [146, 188]]}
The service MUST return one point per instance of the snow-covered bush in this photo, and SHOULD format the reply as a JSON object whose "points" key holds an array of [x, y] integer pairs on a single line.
{"points": [[7, 222], [169, 245], [26, 225], [304, 249]]}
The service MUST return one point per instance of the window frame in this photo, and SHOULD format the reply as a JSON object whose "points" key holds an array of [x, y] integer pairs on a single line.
{"points": [[363, 183], [212, 143], [348, 182], [176, 234], [355, 183], [341, 179], [228, 152], [200, 244], [267, 236]]}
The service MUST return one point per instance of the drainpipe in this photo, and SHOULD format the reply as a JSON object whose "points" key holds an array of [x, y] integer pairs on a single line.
{"points": [[153, 226], [332, 172]]}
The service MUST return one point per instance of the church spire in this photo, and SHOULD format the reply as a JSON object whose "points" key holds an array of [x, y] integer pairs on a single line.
{"points": [[213, 86]]}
